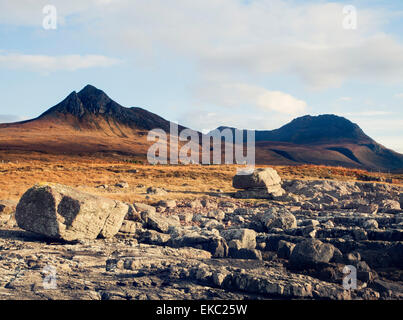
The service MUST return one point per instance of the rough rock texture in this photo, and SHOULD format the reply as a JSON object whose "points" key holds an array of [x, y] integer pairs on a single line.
{"points": [[7, 213], [7, 207], [311, 252], [262, 183], [289, 247], [259, 178], [282, 219], [246, 237], [61, 212], [202, 239]]}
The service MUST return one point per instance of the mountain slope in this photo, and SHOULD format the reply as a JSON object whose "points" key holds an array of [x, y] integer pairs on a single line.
{"points": [[85, 122], [325, 139], [90, 122]]}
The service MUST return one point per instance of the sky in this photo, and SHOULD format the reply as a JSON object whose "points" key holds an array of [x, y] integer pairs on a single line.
{"points": [[251, 64]]}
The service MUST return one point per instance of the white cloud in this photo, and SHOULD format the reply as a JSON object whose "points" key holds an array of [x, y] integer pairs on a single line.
{"points": [[242, 95], [265, 37], [346, 99], [47, 64], [399, 95], [368, 113], [206, 121]]}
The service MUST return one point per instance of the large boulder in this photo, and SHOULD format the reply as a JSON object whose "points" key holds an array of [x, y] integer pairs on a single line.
{"points": [[259, 178], [61, 212], [262, 183], [310, 253]]}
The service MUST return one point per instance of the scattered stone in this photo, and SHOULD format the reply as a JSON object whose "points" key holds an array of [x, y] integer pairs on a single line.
{"points": [[206, 240], [328, 224], [130, 227], [133, 214], [122, 185], [368, 208], [102, 186], [142, 207], [283, 219], [156, 191], [195, 204], [158, 222], [370, 224], [309, 253], [7, 207], [390, 206], [216, 214], [246, 237], [285, 249], [167, 203], [243, 253]]}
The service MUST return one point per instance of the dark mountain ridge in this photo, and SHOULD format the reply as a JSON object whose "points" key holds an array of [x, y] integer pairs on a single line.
{"points": [[313, 130], [91, 102], [91, 122]]}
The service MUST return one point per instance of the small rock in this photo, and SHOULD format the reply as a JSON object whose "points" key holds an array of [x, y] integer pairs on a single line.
{"points": [[390, 206], [156, 191], [282, 219], [122, 185], [167, 203], [368, 208], [243, 253], [247, 237], [370, 224], [285, 249], [157, 222], [216, 214]]}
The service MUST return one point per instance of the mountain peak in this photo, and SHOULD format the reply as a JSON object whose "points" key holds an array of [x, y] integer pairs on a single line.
{"points": [[318, 129], [92, 108], [90, 90], [94, 100]]}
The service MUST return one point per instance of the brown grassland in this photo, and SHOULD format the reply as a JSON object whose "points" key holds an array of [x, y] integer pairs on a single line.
{"points": [[20, 171]]}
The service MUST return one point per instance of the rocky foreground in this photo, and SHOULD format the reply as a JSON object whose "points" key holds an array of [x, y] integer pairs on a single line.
{"points": [[292, 243]]}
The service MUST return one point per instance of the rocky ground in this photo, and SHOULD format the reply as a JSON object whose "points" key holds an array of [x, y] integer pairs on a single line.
{"points": [[293, 243]]}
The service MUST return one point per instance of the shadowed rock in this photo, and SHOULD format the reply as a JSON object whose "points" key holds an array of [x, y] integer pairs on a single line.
{"points": [[310, 253]]}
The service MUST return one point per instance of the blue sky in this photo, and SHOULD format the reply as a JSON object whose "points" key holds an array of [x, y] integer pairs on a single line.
{"points": [[250, 64]]}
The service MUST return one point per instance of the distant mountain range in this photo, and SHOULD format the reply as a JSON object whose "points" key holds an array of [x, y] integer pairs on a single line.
{"points": [[90, 122]]}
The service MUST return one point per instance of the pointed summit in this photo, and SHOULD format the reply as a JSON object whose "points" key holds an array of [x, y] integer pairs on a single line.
{"points": [[94, 100], [90, 108]]}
